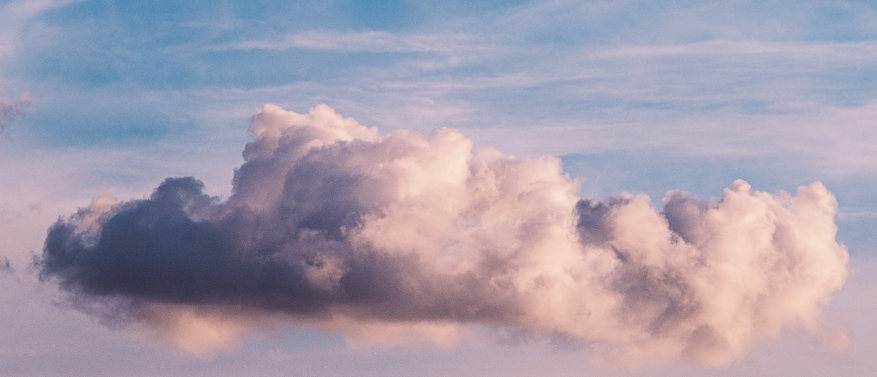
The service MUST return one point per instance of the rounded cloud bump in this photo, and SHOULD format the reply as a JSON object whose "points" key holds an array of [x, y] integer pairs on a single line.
{"points": [[403, 238]]}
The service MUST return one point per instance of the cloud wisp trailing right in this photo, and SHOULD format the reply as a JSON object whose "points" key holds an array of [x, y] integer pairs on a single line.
{"points": [[405, 238]]}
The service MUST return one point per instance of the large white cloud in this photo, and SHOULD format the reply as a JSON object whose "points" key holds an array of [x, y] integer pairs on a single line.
{"points": [[404, 238]]}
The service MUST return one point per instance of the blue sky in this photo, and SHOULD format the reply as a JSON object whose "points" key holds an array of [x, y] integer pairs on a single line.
{"points": [[634, 96]]}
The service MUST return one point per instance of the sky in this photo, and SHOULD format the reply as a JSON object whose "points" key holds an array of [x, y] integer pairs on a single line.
{"points": [[102, 101]]}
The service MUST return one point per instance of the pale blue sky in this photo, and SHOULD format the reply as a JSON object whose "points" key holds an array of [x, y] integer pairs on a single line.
{"points": [[633, 96]]}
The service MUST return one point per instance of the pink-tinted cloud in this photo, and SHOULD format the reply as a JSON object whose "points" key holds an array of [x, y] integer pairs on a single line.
{"points": [[9, 109], [404, 238]]}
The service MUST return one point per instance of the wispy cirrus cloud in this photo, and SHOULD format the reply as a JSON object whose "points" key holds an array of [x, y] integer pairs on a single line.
{"points": [[369, 41], [14, 16], [793, 50]]}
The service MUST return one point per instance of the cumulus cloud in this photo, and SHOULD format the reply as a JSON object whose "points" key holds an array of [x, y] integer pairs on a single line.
{"points": [[404, 238]]}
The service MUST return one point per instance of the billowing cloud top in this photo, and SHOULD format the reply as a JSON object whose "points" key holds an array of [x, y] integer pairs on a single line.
{"points": [[404, 237]]}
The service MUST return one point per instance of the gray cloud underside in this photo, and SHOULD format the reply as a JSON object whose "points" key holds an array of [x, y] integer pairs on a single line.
{"points": [[331, 222]]}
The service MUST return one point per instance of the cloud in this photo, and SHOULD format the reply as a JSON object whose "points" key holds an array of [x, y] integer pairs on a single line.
{"points": [[9, 109], [5, 265], [369, 41], [848, 52], [404, 238], [15, 16]]}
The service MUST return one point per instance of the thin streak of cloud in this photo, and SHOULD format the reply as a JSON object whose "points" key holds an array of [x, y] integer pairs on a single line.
{"points": [[854, 214], [370, 41], [849, 148], [793, 50]]}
